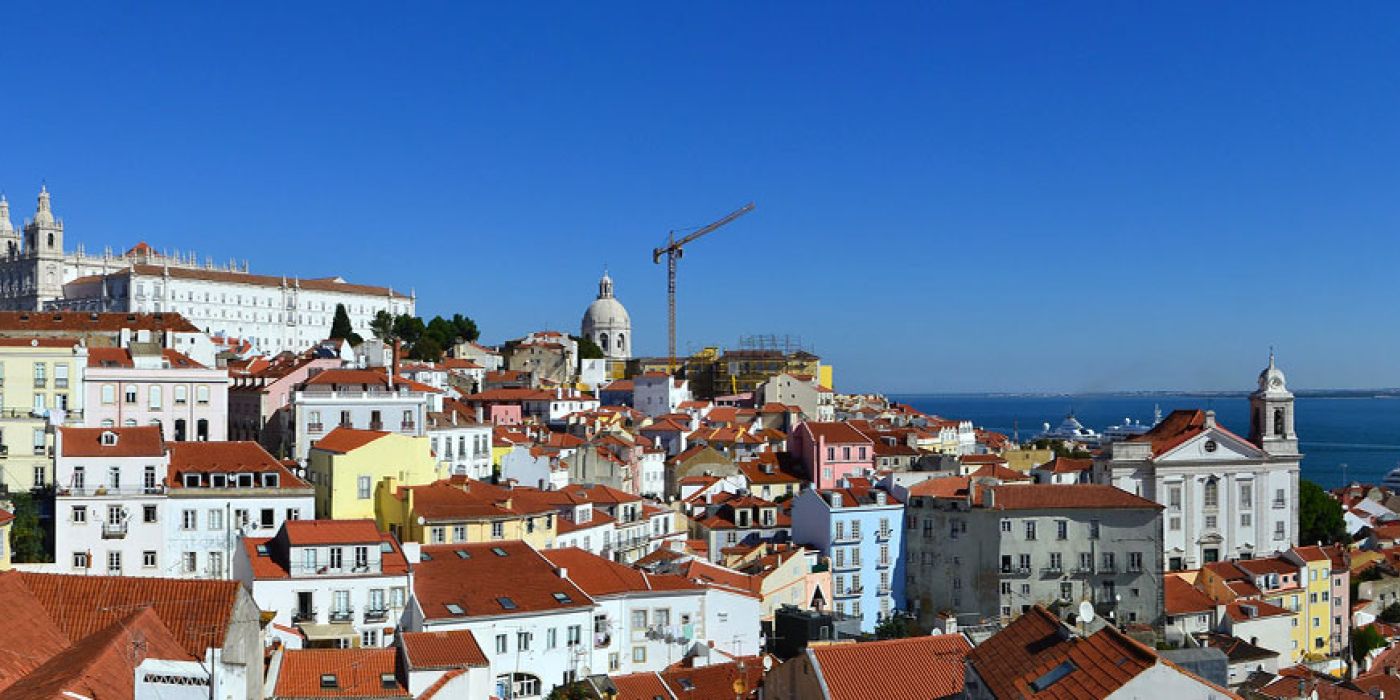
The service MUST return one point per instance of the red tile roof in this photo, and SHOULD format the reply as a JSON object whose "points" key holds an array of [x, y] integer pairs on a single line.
{"points": [[485, 582], [834, 432], [1067, 465], [40, 343], [302, 533], [1178, 427], [78, 322], [145, 441], [358, 673], [439, 650], [227, 458], [1058, 496], [121, 357], [601, 577], [343, 440], [917, 668], [1183, 598], [1000, 473], [197, 611]]}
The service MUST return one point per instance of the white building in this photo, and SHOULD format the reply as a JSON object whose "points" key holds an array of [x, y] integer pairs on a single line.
{"points": [[218, 492], [532, 622], [328, 583], [607, 323], [364, 399], [659, 394], [1226, 497], [144, 384], [462, 441], [641, 621], [109, 501], [275, 313]]}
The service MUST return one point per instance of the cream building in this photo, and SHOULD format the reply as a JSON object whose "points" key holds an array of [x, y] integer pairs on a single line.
{"points": [[44, 389], [275, 313], [607, 323], [1226, 497]]}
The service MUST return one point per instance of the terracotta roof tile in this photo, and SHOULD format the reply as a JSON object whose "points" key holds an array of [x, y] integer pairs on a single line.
{"points": [[1183, 598], [438, 650], [79, 322], [358, 673], [301, 533], [227, 458], [835, 432], [343, 440], [1059, 496], [484, 581], [600, 577], [145, 441], [916, 668]]}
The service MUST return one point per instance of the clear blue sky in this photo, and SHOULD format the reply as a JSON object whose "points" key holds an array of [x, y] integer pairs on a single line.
{"points": [[951, 196]]}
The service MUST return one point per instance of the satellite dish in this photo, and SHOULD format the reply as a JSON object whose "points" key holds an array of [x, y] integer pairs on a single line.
{"points": [[1086, 612]]}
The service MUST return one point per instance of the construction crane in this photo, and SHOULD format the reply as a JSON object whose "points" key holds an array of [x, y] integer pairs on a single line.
{"points": [[673, 251]]}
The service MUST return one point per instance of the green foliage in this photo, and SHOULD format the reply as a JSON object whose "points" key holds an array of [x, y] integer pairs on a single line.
{"points": [[896, 626], [27, 537], [1061, 449], [424, 341], [341, 327], [1391, 614], [1319, 516], [1363, 640], [573, 691], [587, 349]]}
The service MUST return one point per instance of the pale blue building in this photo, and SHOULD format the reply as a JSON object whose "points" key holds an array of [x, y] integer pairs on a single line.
{"points": [[860, 529]]}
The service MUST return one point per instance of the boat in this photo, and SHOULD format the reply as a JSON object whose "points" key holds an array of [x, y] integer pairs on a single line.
{"points": [[1130, 428], [1392, 480], [1070, 430]]}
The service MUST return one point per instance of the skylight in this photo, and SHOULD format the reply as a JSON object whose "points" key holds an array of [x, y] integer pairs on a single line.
{"points": [[685, 684], [262, 550], [454, 608], [498, 551], [563, 598], [328, 680], [506, 603], [462, 554], [388, 681], [1053, 676]]}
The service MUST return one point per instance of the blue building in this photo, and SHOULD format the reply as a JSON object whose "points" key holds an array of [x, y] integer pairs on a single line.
{"points": [[859, 528]]}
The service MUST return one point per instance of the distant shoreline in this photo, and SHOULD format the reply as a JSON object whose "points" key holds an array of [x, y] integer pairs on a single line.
{"points": [[1388, 393]]}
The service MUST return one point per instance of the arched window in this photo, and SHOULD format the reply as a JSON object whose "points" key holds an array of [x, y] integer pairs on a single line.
{"points": [[1278, 423], [50, 240], [1212, 497], [129, 423], [622, 342], [603, 341]]}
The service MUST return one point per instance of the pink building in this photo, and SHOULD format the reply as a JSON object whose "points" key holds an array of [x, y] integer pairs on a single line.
{"points": [[150, 385], [260, 399], [831, 451]]}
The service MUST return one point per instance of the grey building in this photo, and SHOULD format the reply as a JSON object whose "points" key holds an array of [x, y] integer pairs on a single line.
{"points": [[988, 552]]}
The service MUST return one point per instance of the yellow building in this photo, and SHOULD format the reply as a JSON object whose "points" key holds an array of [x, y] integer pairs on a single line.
{"points": [[1027, 458], [461, 510], [37, 376], [7, 520], [1314, 630], [347, 465]]}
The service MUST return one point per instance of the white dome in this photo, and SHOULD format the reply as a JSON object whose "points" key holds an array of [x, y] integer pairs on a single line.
{"points": [[607, 313]]}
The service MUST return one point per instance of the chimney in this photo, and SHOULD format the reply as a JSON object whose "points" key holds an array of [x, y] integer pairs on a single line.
{"points": [[881, 498], [563, 573], [454, 417], [393, 363], [835, 499], [1210, 419], [1390, 670]]}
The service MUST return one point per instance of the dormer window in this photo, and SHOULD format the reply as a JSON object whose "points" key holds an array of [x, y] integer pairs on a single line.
{"points": [[218, 481], [245, 481], [191, 480], [109, 438], [768, 515], [269, 480], [741, 518], [584, 514]]}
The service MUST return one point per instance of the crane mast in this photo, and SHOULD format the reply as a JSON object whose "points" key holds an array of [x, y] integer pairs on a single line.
{"points": [[673, 251]]}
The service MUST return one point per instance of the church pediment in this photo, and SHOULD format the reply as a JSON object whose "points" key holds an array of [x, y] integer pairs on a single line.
{"points": [[1213, 445]]}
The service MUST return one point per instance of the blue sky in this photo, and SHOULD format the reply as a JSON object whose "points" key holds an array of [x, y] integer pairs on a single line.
{"points": [[951, 196]]}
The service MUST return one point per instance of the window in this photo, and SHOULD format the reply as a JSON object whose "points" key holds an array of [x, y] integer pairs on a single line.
{"points": [[187, 520], [438, 535], [639, 655], [1066, 590], [80, 560], [216, 519], [361, 557], [1212, 494], [216, 564], [1246, 495], [1093, 529], [362, 487], [1061, 529], [1174, 523], [1056, 561], [1023, 562], [1086, 561], [575, 635], [148, 479], [79, 514], [153, 397], [114, 563], [498, 530], [182, 395], [1174, 497], [130, 394], [522, 640], [639, 619], [459, 533], [201, 394], [1211, 522], [1030, 529], [1279, 531], [551, 638], [1006, 525], [337, 558], [148, 513], [79, 478], [370, 638], [109, 394], [501, 642], [1246, 520], [1109, 561], [190, 562]]}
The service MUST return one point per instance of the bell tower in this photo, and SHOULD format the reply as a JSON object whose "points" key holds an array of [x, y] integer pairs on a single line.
{"points": [[1271, 413], [43, 244]]}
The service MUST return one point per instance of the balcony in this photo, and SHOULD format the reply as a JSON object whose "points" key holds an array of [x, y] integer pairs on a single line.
{"points": [[1108, 569], [601, 640], [315, 427], [376, 425], [113, 531], [110, 491], [883, 563], [376, 614], [850, 592], [60, 383], [883, 535], [41, 383], [883, 590], [1082, 570], [845, 565], [342, 616], [1280, 504], [1016, 571], [1051, 571], [408, 425], [304, 615]]}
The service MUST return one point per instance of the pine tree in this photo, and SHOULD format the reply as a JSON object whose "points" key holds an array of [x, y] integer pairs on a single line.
{"points": [[341, 328]]}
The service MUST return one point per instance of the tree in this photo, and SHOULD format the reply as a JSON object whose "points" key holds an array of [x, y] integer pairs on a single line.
{"points": [[1391, 614], [466, 328], [587, 349], [408, 328], [382, 326], [1319, 515], [26, 535], [426, 349], [895, 626], [1365, 639], [341, 328]]}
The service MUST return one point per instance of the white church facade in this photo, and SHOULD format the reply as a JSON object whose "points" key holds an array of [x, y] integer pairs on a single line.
{"points": [[1226, 497], [274, 313]]}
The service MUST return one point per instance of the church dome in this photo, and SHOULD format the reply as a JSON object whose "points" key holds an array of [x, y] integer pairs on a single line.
{"points": [[1272, 378], [606, 313], [607, 323]]}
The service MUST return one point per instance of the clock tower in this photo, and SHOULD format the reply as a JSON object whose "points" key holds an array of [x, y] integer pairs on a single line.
{"points": [[1271, 413]]}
